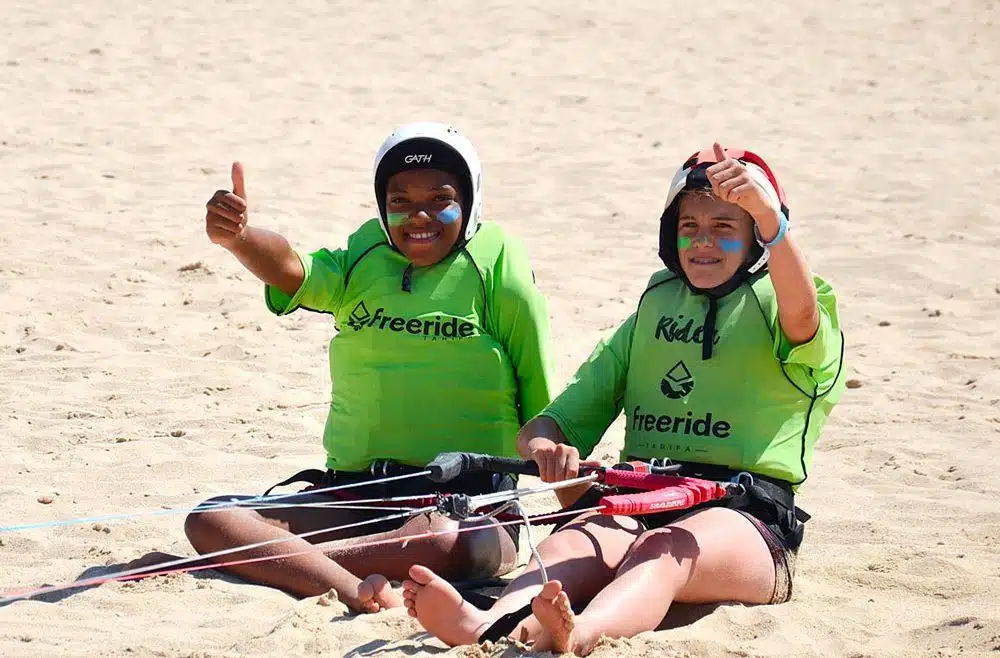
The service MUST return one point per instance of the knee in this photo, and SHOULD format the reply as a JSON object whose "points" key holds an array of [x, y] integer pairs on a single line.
{"points": [[200, 526], [444, 541], [481, 554], [467, 554], [663, 542]]}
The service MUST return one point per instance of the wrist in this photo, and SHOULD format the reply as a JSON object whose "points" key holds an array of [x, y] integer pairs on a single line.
{"points": [[539, 442], [771, 227], [239, 240], [527, 448]]}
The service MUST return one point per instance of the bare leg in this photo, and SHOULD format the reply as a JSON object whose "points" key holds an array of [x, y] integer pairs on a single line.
{"points": [[312, 572], [468, 554], [712, 555], [308, 574], [583, 556]]}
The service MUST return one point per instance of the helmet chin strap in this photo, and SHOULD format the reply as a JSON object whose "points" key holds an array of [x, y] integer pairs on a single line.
{"points": [[746, 273], [761, 262]]}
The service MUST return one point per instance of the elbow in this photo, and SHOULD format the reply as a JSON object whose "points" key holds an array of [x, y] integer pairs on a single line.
{"points": [[291, 276], [801, 327]]}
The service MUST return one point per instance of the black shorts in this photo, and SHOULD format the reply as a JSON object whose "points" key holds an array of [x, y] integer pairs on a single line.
{"points": [[471, 484]]}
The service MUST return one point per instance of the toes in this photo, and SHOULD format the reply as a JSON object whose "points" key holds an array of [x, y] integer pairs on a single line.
{"points": [[551, 590], [421, 574], [377, 581], [366, 592], [410, 586]]}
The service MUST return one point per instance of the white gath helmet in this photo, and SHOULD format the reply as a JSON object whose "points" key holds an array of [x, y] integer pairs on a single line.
{"points": [[432, 145]]}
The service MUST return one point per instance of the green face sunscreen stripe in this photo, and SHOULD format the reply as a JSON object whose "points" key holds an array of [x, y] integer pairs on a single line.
{"points": [[725, 244], [449, 215]]}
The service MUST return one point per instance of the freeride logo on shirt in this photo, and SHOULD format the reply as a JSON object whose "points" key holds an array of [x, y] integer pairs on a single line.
{"points": [[676, 384], [436, 327]]}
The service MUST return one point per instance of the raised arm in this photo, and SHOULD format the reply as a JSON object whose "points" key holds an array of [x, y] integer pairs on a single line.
{"points": [[798, 309], [265, 253]]}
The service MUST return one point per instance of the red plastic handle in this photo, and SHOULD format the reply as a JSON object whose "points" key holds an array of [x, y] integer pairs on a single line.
{"points": [[636, 480], [679, 495]]}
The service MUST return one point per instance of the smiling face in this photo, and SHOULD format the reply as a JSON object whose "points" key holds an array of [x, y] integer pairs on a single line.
{"points": [[424, 213], [713, 238]]}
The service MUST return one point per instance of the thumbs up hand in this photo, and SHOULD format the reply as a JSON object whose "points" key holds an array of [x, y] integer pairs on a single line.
{"points": [[731, 181], [226, 219]]}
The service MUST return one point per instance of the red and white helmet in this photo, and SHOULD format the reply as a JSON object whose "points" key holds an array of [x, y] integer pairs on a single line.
{"points": [[691, 175]]}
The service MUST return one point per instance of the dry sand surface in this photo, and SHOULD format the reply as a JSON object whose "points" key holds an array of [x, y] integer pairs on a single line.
{"points": [[140, 369]]}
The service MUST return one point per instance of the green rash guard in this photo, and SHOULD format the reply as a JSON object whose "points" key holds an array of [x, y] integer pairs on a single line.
{"points": [[758, 404], [456, 363]]}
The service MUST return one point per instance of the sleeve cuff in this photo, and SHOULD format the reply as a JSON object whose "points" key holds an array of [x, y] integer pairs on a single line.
{"points": [[569, 431], [278, 302], [810, 353]]}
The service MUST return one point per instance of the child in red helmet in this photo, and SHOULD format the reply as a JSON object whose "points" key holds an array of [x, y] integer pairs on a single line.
{"points": [[730, 366]]}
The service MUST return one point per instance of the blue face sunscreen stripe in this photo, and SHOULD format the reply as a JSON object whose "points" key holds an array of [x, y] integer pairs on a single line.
{"points": [[730, 245], [450, 214]]}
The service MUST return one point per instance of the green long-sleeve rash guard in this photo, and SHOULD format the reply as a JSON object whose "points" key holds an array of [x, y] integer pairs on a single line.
{"points": [[456, 360]]}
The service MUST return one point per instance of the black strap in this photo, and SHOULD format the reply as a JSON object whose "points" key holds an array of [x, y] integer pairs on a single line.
{"points": [[468, 483], [313, 476], [779, 504], [481, 601], [708, 333], [377, 468], [505, 625]]}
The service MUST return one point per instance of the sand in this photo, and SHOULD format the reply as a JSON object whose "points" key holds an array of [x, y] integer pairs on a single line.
{"points": [[140, 370]]}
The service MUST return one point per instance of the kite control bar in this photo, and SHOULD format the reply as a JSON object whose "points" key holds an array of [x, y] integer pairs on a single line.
{"points": [[659, 487], [449, 465]]}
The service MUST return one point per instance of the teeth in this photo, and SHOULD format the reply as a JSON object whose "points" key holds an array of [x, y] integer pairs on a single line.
{"points": [[422, 236]]}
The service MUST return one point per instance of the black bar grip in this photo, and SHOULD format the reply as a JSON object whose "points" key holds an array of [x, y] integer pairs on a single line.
{"points": [[507, 465], [449, 465]]}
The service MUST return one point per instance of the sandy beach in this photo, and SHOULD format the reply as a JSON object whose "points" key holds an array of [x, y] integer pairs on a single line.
{"points": [[140, 369]]}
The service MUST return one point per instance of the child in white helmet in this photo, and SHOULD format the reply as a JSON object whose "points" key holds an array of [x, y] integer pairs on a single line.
{"points": [[441, 345]]}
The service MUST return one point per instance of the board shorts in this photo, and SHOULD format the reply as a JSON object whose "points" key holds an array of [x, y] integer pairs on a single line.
{"points": [[770, 508], [471, 484]]}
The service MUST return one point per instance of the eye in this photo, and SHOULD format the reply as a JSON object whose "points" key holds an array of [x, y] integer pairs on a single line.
{"points": [[445, 197], [397, 198]]}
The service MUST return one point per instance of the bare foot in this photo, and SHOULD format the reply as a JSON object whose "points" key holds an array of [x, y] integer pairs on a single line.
{"points": [[375, 594], [441, 610], [152, 559], [552, 610]]}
